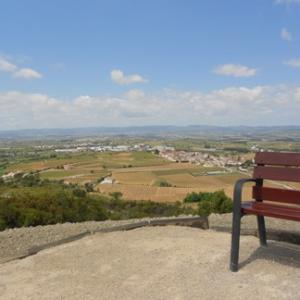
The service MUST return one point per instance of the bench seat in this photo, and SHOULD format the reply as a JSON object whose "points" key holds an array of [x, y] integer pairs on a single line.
{"points": [[271, 210]]}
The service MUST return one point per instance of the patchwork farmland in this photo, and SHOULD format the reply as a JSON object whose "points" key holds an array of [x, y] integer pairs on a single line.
{"points": [[141, 185], [137, 175]]}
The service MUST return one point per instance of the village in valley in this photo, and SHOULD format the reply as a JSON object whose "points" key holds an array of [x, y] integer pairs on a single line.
{"points": [[206, 158]]}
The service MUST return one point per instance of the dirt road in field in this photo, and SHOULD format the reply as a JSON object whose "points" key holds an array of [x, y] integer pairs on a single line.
{"points": [[154, 263]]}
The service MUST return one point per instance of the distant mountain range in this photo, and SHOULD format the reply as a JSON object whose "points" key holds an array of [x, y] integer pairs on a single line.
{"points": [[282, 132]]}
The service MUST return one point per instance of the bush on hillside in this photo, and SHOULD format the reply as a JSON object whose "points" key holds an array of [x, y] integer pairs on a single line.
{"points": [[215, 202], [193, 197], [32, 202], [42, 206]]}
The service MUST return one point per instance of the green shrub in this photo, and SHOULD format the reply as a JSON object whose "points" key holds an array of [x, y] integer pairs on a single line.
{"points": [[78, 192], [48, 205], [33, 202], [218, 203], [204, 208], [162, 183], [116, 195], [215, 202], [89, 187], [193, 197]]}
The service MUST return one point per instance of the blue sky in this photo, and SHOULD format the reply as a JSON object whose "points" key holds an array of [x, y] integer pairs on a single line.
{"points": [[109, 63]]}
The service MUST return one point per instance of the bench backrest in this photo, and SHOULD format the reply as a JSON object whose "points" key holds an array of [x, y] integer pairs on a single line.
{"points": [[279, 166]]}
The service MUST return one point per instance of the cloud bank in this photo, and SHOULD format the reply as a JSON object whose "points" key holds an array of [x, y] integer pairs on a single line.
{"points": [[259, 105]]}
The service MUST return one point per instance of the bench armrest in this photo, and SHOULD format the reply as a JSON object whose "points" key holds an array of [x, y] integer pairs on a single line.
{"points": [[238, 188], [236, 220]]}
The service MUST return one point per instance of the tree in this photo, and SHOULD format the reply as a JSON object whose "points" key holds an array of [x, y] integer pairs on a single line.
{"points": [[89, 187]]}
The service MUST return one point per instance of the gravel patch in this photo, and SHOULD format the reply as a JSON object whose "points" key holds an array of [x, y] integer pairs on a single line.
{"points": [[277, 229], [154, 263], [17, 242]]}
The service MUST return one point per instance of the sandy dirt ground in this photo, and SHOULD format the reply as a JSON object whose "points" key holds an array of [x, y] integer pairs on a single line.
{"points": [[154, 263]]}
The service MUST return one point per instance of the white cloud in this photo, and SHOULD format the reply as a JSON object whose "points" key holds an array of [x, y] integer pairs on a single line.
{"points": [[295, 62], [119, 77], [259, 105], [286, 35], [27, 73], [235, 70], [7, 66], [134, 94]]}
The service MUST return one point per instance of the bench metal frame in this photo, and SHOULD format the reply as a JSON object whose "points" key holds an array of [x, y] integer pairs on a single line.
{"points": [[236, 222]]}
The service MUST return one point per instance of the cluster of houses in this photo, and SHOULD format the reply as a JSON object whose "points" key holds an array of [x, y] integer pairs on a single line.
{"points": [[97, 148], [115, 148], [199, 158], [204, 158]]}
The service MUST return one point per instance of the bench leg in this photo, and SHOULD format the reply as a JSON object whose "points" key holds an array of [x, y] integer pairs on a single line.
{"points": [[262, 230], [235, 241]]}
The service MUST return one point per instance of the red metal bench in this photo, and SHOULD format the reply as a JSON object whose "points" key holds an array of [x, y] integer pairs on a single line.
{"points": [[271, 166]]}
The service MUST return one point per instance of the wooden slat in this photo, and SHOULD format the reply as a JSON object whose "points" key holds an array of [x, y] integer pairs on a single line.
{"points": [[277, 173], [278, 158], [276, 195], [268, 210], [275, 207]]}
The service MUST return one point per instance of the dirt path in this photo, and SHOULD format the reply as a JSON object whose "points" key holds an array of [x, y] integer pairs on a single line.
{"points": [[154, 263]]}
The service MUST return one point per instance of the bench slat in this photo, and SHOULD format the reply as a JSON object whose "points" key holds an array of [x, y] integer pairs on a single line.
{"points": [[278, 158], [269, 210], [275, 207], [276, 195], [277, 173]]}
